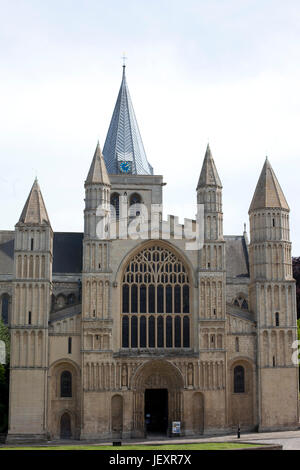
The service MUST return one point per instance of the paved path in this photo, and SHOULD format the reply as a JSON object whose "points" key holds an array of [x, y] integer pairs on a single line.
{"points": [[290, 440]]}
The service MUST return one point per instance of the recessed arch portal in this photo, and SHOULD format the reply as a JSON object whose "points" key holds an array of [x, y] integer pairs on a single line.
{"points": [[157, 375]]}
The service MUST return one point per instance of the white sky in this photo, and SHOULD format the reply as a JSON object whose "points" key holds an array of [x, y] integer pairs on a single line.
{"points": [[223, 71]]}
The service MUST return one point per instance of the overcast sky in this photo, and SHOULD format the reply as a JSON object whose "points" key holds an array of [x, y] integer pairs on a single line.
{"points": [[223, 71]]}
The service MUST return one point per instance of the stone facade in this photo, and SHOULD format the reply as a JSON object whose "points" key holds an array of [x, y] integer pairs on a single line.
{"points": [[115, 338]]}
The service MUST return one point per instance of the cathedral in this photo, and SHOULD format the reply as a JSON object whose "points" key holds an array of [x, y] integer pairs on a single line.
{"points": [[124, 330]]}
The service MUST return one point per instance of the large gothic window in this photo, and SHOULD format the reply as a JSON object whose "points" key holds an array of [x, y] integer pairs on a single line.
{"points": [[239, 379], [156, 301], [66, 384]]}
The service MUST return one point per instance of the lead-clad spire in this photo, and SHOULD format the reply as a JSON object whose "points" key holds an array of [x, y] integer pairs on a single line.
{"points": [[268, 193], [123, 141], [34, 211]]}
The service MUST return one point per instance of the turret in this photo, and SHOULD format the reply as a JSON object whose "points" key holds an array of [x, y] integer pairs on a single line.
{"points": [[209, 193], [270, 247], [32, 286], [272, 302], [97, 194]]}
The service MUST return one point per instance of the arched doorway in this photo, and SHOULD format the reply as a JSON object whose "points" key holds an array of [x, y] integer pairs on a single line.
{"points": [[157, 386], [65, 426], [117, 416]]}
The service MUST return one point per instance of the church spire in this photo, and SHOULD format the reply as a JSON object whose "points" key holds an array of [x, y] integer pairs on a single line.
{"points": [[268, 192], [123, 141], [98, 173], [34, 211], [209, 175]]}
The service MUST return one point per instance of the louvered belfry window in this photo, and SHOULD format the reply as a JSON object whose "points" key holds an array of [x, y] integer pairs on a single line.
{"points": [[156, 301]]}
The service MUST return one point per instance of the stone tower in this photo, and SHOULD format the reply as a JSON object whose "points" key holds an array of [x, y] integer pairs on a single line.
{"points": [[272, 299], [32, 288], [96, 318], [211, 271]]}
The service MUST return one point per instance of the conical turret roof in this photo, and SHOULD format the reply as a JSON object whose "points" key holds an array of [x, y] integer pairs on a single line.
{"points": [[34, 211], [98, 173], [209, 175], [123, 141], [268, 192]]}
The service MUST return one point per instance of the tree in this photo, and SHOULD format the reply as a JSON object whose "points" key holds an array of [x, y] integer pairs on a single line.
{"points": [[4, 378]]}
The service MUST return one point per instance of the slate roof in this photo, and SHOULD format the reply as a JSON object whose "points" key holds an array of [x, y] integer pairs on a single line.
{"points": [[237, 261], [7, 241], [124, 141], [67, 252]]}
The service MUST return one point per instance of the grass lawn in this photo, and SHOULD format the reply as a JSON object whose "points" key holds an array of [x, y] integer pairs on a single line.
{"points": [[200, 446]]}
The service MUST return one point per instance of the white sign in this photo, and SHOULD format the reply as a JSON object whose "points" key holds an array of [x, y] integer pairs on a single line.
{"points": [[176, 427]]}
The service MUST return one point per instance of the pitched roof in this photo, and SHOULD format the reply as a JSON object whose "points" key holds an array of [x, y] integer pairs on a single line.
{"points": [[209, 175], [268, 192], [123, 141], [237, 258], [34, 211], [98, 172]]}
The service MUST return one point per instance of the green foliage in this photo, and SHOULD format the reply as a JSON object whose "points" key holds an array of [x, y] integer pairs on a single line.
{"points": [[4, 378], [4, 336]]}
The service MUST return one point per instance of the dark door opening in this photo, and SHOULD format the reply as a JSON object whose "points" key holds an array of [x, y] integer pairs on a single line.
{"points": [[156, 410], [65, 426]]}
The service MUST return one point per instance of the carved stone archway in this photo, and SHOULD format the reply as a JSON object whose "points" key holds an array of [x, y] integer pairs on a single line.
{"points": [[156, 374]]}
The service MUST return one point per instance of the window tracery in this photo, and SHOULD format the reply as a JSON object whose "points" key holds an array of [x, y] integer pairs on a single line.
{"points": [[155, 301]]}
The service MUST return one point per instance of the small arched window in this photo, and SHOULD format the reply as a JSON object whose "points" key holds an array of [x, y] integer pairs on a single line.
{"points": [[239, 379], [115, 203], [4, 308], [135, 203], [276, 319], [66, 384]]}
